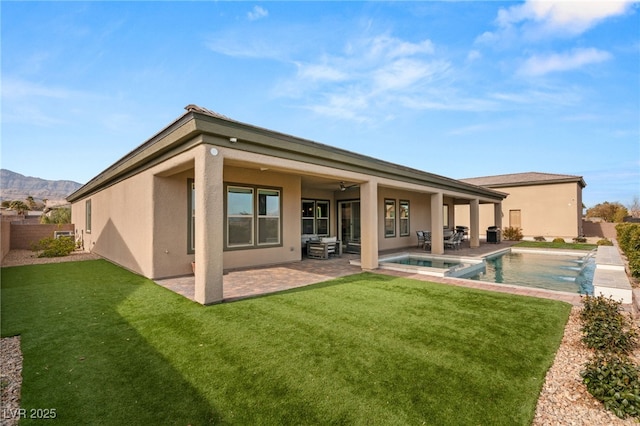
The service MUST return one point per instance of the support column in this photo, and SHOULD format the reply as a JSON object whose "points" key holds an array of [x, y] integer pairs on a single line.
{"points": [[437, 224], [497, 214], [209, 224], [474, 225], [369, 225]]}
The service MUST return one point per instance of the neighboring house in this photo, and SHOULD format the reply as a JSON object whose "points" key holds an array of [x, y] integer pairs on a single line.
{"points": [[540, 204], [228, 195]]}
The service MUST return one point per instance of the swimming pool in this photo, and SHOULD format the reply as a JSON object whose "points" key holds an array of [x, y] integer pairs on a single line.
{"points": [[567, 272], [561, 271]]}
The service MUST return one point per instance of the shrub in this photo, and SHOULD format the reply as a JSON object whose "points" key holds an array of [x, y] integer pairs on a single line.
{"points": [[579, 240], [512, 233], [559, 240], [614, 380], [54, 247], [605, 327], [59, 215], [628, 235], [604, 242], [540, 238]]}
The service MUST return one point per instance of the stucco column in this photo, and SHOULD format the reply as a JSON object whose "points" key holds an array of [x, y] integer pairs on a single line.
{"points": [[497, 214], [369, 225], [474, 225], [209, 223], [437, 224]]}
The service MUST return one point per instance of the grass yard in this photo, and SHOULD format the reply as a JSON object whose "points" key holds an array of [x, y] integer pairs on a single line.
{"points": [[552, 245], [104, 346]]}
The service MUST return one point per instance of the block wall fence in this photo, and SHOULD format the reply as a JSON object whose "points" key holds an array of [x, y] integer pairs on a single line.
{"points": [[21, 235]]}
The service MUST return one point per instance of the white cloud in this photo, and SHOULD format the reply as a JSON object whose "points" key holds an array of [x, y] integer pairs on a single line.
{"points": [[320, 72], [542, 18], [474, 55], [369, 78], [406, 73], [21, 89], [540, 64], [257, 13]]}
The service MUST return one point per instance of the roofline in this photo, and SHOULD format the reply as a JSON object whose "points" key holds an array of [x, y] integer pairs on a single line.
{"points": [[560, 179], [182, 134]]}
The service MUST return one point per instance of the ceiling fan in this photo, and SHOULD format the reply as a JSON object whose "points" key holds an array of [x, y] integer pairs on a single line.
{"points": [[344, 187]]}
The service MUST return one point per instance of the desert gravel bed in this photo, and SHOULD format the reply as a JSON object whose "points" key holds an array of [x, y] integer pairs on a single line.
{"points": [[564, 400]]}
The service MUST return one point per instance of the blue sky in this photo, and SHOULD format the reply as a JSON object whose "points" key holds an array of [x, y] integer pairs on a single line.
{"points": [[461, 89]]}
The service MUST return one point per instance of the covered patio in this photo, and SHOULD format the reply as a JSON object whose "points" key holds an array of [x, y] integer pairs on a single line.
{"points": [[251, 282]]}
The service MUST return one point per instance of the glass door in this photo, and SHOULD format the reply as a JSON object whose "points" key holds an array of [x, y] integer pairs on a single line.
{"points": [[349, 220]]}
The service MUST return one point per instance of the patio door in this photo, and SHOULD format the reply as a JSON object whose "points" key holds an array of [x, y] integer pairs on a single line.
{"points": [[349, 220]]}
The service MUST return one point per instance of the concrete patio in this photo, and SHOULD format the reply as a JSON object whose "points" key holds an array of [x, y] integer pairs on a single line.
{"points": [[239, 284]]}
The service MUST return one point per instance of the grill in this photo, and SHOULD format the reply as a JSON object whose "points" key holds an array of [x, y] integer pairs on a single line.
{"points": [[493, 235]]}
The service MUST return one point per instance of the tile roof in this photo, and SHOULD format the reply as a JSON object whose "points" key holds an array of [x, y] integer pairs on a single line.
{"points": [[521, 179]]}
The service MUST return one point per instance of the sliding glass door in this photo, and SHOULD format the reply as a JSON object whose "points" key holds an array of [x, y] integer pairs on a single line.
{"points": [[349, 220]]}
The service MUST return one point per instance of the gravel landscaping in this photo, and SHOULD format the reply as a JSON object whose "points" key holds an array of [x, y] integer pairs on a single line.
{"points": [[564, 400]]}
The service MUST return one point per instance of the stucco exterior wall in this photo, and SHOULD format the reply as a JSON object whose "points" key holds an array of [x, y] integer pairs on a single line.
{"points": [[552, 210], [172, 257], [419, 217], [121, 223], [291, 227]]}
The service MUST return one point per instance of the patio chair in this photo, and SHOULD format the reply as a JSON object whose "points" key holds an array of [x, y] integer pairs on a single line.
{"points": [[322, 249], [454, 240], [332, 245], [420, 235], [427, 239]]}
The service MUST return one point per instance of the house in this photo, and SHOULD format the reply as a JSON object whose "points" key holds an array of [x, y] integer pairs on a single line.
{"points": [[540, 204], [228, 195]]}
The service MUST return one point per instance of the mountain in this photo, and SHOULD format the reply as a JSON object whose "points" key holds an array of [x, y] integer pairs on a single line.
{"points": [[14, 186]]}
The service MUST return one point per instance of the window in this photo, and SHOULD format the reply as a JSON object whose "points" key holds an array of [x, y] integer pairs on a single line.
{"points": [[240, 218], [315, 217], [389, 218], [191, 216], [404, 218], [322, 218], [87, 217], [251, 212], [268, 216]]}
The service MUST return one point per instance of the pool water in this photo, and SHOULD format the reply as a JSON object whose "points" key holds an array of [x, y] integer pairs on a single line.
{"points": [[552, 272]]}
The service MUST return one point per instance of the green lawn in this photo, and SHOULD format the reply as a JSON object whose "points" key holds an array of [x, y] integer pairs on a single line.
{"points": [[104, 346], [552, 245]]}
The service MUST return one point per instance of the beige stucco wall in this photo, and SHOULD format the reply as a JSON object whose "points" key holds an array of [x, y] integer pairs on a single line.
{"points": [[419, 217], [291, 196], [552, 210], [121, 225]]}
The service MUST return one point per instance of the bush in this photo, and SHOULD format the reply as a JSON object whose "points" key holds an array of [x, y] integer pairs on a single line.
{"points": [[59, 215], [512, 233], [540, 238], [614, 380], [559, 240], [628, 235], [605, 327], [54, 247], [611, 377], [604, 242], [579, 240]]}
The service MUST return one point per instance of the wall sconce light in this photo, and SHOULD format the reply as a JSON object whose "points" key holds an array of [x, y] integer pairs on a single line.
{"points": [[233, 140]]}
